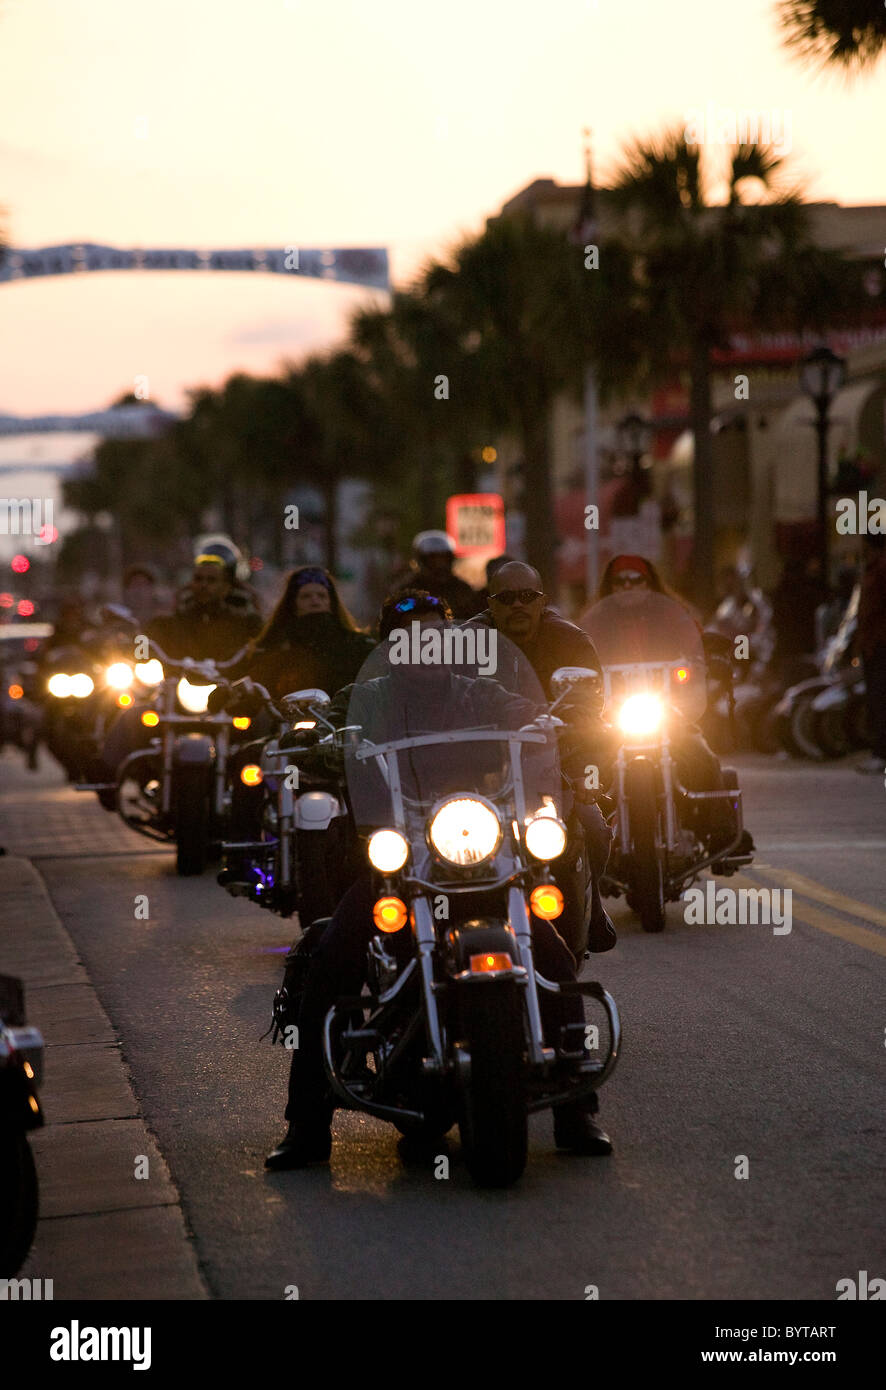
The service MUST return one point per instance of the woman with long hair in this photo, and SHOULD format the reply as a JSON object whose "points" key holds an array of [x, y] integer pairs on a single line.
{"points": [[310, 640]]}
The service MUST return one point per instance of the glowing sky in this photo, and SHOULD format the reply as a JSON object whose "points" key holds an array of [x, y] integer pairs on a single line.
{"points": [[273, 122]]}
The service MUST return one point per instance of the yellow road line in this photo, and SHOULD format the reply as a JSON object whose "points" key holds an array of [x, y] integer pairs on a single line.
{"points": [[808, 888]]}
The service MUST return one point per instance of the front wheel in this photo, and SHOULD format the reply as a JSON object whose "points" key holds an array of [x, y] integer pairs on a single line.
{"points": [[647, 879], [492, 1117], [191, 802], [19, 1200]]}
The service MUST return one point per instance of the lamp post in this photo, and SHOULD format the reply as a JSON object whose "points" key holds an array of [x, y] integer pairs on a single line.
{"points": [[635, 439], [822, 374]]}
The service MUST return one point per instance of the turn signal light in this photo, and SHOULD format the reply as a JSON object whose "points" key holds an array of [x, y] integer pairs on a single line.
{"points": [[124, 700], [241, 721], [15, 692], [251, 775], [681, 674], [546, 901], [150, 719], [493, 960], [389, 914]]}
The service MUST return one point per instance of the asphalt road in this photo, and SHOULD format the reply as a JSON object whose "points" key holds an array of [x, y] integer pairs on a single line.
{"points": [[738, 1042]]}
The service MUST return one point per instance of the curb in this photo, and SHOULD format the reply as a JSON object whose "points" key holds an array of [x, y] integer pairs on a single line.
{"points": [[111, 1222]]}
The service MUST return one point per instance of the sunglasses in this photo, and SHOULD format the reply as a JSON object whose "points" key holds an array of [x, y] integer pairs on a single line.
{"points": [[510, 596], [406, 605]]}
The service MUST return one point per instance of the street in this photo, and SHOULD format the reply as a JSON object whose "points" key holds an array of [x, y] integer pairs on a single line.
{"points": [[739, 1043]]}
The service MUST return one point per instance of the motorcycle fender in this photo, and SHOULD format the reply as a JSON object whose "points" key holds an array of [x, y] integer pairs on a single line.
{"points": [[796, 692], [315, 810], [480, 938], [193, 749], [834, 697]]}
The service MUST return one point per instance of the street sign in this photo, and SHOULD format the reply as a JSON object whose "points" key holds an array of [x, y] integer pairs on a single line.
{"points": [[476, 523]]}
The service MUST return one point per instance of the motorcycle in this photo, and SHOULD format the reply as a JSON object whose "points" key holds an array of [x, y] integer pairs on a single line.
{"points": [[460, 803], [825, 716], [21, 715], [297, 864], [21, 1070], [655, 680], [175, 789], [86, 688]]}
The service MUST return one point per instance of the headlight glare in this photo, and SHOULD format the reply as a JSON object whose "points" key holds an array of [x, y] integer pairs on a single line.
{"points": [[193, 698], [641, 715], [388, 851], [149, 672], [545, 837], [82, 685], [119, 676], [60, 685], [465, 831]]}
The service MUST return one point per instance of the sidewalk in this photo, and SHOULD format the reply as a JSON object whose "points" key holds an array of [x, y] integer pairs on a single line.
{"points": [[104, 1233]]}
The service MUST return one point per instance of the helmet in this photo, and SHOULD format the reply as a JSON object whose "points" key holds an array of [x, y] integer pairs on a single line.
{"points": [[224, 548], [433, 543]]}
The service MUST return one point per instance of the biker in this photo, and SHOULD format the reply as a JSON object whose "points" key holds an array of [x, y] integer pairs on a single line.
{"points": [[310, 641], [433, 553], [208, 624], [871, 643], [697, 765], [213, 618], [338, 963], [518, 609]]}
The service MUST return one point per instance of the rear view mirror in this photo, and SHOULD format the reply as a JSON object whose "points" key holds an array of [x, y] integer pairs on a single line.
{"points": [[303, 699]]}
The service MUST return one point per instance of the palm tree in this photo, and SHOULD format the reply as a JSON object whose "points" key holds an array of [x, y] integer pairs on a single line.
{"points": [[704, 270], [516, 301], [844, 33]]}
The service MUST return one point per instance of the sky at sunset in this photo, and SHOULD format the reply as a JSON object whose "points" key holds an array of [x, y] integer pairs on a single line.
{"points": [[208, 123]]}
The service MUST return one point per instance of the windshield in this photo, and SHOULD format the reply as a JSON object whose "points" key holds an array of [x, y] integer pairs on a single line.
{"points": [[438, 695], [640, 629]]}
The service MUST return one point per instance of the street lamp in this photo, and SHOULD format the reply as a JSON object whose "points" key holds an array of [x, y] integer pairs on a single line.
{"points": [[822, 374], [635, 439]]}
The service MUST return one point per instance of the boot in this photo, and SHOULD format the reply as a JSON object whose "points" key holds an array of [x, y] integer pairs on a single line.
{"points": [[576, 1129], [306, 1141]]}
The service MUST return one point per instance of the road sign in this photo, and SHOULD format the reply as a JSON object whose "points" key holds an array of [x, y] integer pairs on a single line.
{"points": [[476, 523]]}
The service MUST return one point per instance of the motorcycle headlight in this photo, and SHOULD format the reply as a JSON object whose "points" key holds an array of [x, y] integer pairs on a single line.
{"points": [[388, 851], [641, 715], [194, 698], [119, 676], [82, 685], [545, 837], [149, 672], [59, 685], [465, 831]]}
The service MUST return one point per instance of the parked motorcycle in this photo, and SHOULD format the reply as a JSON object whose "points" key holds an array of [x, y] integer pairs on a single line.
{"points": [[463, 798], [825, 715], [655, 680], [21, 1069]]}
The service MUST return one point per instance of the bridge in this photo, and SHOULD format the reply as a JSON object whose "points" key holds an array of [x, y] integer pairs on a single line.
{"points": [[350, 265]]}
